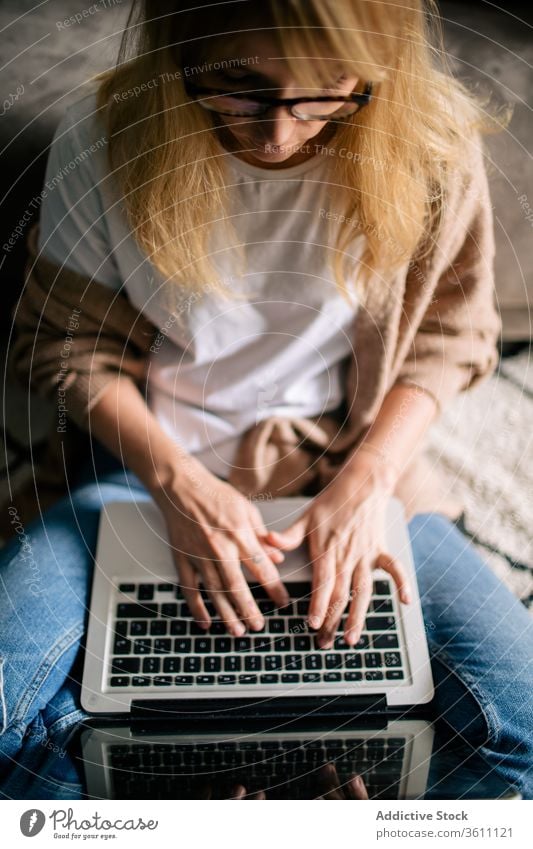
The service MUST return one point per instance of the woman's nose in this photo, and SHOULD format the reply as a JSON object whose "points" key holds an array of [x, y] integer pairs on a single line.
{"points": [[278, 127]]}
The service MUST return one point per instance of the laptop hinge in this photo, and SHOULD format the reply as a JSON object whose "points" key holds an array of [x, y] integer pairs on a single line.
{"points": [[174, 713]]}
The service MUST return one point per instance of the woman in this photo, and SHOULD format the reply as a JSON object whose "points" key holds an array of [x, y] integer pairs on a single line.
{"points": [[292, 197]]}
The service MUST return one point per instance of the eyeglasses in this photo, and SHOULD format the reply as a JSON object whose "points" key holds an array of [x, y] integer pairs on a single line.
{"points": [[241, 104]]}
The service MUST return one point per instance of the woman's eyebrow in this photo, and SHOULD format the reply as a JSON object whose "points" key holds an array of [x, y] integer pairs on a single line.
{"points": [[257, 76], [249, 74]]}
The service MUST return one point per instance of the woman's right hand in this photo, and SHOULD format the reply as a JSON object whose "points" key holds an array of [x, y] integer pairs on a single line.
{"points": [[213, 529]]}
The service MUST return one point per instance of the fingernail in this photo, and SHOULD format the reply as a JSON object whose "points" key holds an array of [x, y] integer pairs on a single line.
{"points": [[238, 629], [257, 624], [314, 622]]}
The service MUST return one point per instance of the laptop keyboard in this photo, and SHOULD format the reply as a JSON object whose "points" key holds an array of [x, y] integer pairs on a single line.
{"points": [[156, 644], [285, 768]]}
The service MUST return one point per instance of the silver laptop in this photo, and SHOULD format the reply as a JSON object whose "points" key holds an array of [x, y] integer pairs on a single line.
{"points": [[146, 656]]}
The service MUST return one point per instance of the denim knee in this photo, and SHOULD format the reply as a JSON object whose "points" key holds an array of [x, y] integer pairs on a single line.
{"points": [[43, 601]]}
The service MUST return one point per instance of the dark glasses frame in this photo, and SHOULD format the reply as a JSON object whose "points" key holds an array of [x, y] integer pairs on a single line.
{"points": [[202, 94]]}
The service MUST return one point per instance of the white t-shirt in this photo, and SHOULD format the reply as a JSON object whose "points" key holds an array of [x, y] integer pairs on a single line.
{"points": [[219, 366]]}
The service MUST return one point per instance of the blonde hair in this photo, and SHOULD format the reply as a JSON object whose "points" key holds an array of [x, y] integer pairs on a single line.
{"points": [[398, 150]]}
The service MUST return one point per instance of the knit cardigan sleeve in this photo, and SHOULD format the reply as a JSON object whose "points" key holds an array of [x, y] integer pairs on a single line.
{"points": [[455, 343], [74, 336]]}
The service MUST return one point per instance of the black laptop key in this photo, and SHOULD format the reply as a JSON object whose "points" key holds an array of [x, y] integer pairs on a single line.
{"points": [[385, 641], [353, 661], [380, 623], [182, 645], [162, 680], [232, 663], [169, 609], [151, 665], [146, 592], [293, 661], [290, 678], [222, 644], [247, 679], [171, 664], [340, 644], [202, 645], [120, 681], [121, 628], [253, 662], [126, 588], [302, 606], [311, 677], [373, 660], [121, 645], [139, 629], [313, 661], [136, 611], [125, 664], [192, 664], [330, 677], [381, 605], [158, 628], [162, 645], [273, 662], [195, 629], [393, 658], [178, 627], [270, 678], [140, 681], [334, 661], [243, 643], [143, 646], [353, 676], [303, 643], [282, 644], [374, 675], [205, 679], [276, 625], [262, 643], [227, 679], [184, 610], [183, 680], [382, 588], [166, 588], [266, 606], [394, 674], [212, 664], [217, 627]]}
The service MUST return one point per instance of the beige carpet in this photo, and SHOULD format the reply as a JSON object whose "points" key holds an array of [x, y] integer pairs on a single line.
{"points": [[484, 443]]}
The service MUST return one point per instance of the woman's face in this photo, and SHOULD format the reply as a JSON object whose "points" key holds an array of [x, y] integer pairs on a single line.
{"points": [[277, 136]]}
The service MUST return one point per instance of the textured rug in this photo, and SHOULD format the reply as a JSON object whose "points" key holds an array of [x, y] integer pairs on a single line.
{"points": [[483, 442]]}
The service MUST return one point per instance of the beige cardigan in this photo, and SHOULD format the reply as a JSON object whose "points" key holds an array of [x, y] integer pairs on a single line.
{"points": [[433, 324]]}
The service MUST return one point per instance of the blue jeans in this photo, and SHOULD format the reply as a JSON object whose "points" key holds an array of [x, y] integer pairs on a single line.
{"points": [[480, 639]]}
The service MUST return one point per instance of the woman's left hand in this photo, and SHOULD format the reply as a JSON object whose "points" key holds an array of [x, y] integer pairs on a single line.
{"points": [[345, 530]]}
